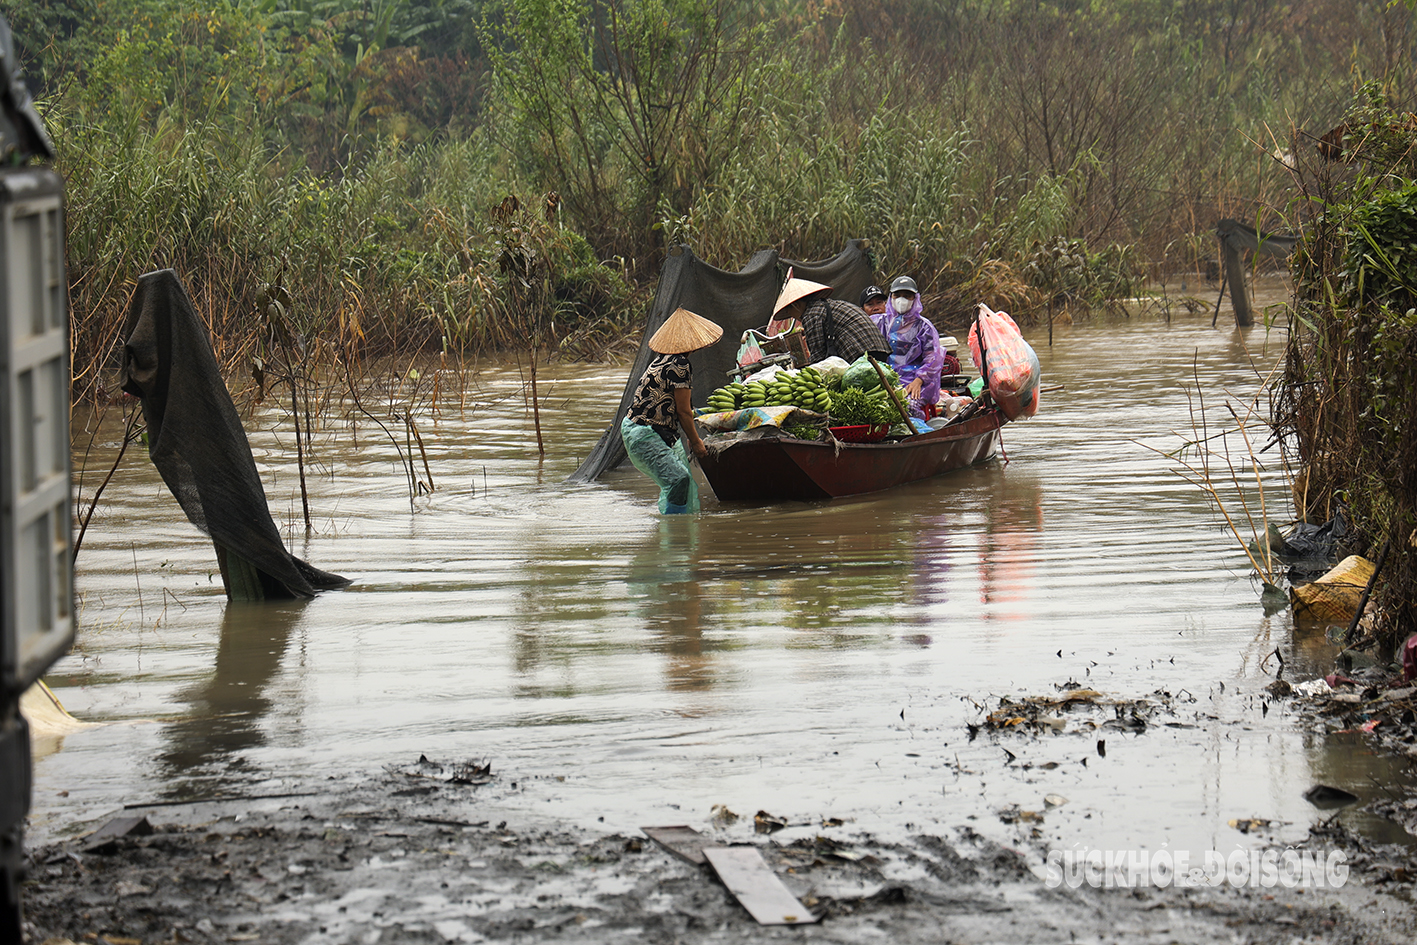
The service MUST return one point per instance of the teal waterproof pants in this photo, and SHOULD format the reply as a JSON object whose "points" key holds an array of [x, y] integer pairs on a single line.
{"points": [[678, 492]]}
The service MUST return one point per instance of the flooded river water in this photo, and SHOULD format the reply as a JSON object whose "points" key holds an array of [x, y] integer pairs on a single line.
{"points": [[809, 660]]}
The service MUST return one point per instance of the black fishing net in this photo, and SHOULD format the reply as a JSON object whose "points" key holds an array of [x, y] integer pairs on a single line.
{"points": [[737, 301], [195, 437]]}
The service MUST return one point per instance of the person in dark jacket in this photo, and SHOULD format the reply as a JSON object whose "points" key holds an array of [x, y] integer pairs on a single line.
{"points": [[834, 328]]}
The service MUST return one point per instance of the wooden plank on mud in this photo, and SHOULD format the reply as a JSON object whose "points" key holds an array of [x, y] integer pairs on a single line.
{"points": [[684, 842], [756, 887], [105, 838]]}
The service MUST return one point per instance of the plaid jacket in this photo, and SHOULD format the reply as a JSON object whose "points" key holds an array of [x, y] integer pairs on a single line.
{"points": [[840, 329]]}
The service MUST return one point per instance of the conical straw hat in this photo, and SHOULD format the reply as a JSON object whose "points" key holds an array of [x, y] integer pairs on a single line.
{"points": [[796, 289], [683, 332]]}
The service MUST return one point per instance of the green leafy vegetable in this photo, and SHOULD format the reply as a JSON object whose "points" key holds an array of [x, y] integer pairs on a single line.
{"points": [[852, 406], [803, 431]]}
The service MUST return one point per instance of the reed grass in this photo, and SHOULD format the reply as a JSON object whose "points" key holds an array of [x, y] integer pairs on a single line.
{"points": [[1345, 413], [965, 140]]}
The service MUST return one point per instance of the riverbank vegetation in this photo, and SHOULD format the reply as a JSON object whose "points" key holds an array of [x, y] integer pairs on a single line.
{"points": [[1346, 411], [1033, 153]]}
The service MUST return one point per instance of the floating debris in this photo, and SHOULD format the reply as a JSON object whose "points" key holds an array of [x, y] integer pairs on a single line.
{"points": [[466, 772], [1074, 710], [1369, 702], [1334, 596], [722, 816], [763, 822], [1254, 824], [820, 850], [1325, 797]]}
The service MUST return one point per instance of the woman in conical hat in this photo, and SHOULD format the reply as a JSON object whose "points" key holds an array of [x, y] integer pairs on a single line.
{"points": [[833, 328], [660, 408], [795, 290]]}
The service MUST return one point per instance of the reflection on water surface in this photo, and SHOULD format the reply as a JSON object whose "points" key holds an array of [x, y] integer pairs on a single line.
{"points": [[807, 659]]}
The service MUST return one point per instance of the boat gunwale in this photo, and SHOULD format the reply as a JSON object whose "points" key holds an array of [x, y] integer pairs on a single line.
{"points": [[974, 426]]}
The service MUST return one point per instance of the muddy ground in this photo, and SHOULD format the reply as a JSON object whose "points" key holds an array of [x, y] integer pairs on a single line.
{"points": [[402, 857]]}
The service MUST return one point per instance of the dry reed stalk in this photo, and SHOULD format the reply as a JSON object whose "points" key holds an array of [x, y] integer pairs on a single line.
{"points": [[324, 392], [1259, 483], [300, 453], [433, 406], [128, 436], [1201, 475], [95, 364], [405, 463], [536, 406], [418, 438]]}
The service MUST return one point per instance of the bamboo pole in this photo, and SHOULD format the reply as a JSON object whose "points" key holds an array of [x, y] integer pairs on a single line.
{"points": [[890, 392]]}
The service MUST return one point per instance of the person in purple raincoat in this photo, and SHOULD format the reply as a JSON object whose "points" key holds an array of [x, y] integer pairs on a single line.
{"points": [[915, 346]]}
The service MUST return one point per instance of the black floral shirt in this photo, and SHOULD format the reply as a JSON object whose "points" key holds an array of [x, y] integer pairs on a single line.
{"points": [[653, 402]]}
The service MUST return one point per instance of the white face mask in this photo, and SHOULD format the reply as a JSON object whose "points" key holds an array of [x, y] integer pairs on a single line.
{"points": [[902, 303]]}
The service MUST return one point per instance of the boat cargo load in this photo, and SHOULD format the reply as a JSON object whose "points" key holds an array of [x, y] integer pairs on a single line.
{"points": [[1009, 364], [739, 301]]}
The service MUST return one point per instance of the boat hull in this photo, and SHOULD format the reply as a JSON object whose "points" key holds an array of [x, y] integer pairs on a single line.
{"points": [[771, 469]]}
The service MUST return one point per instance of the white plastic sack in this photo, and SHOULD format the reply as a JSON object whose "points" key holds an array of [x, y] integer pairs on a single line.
{"points": [[832, 367]]}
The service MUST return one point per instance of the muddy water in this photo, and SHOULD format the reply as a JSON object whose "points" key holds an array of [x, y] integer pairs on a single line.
{"points": [[810, 660]]}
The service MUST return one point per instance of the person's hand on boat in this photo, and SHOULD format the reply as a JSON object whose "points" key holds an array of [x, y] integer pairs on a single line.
{"points": [[912, 390], [685, 413]]}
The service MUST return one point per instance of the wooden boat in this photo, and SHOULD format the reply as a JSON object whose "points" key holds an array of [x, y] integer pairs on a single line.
{"points": [[775, 468]]}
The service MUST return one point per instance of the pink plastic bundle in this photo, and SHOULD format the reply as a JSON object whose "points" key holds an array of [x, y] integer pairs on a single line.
{"points": [[1012, 364]]}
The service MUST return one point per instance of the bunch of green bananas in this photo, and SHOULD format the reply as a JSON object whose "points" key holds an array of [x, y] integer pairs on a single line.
{"points": [[728, 397], [805, 388]]}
